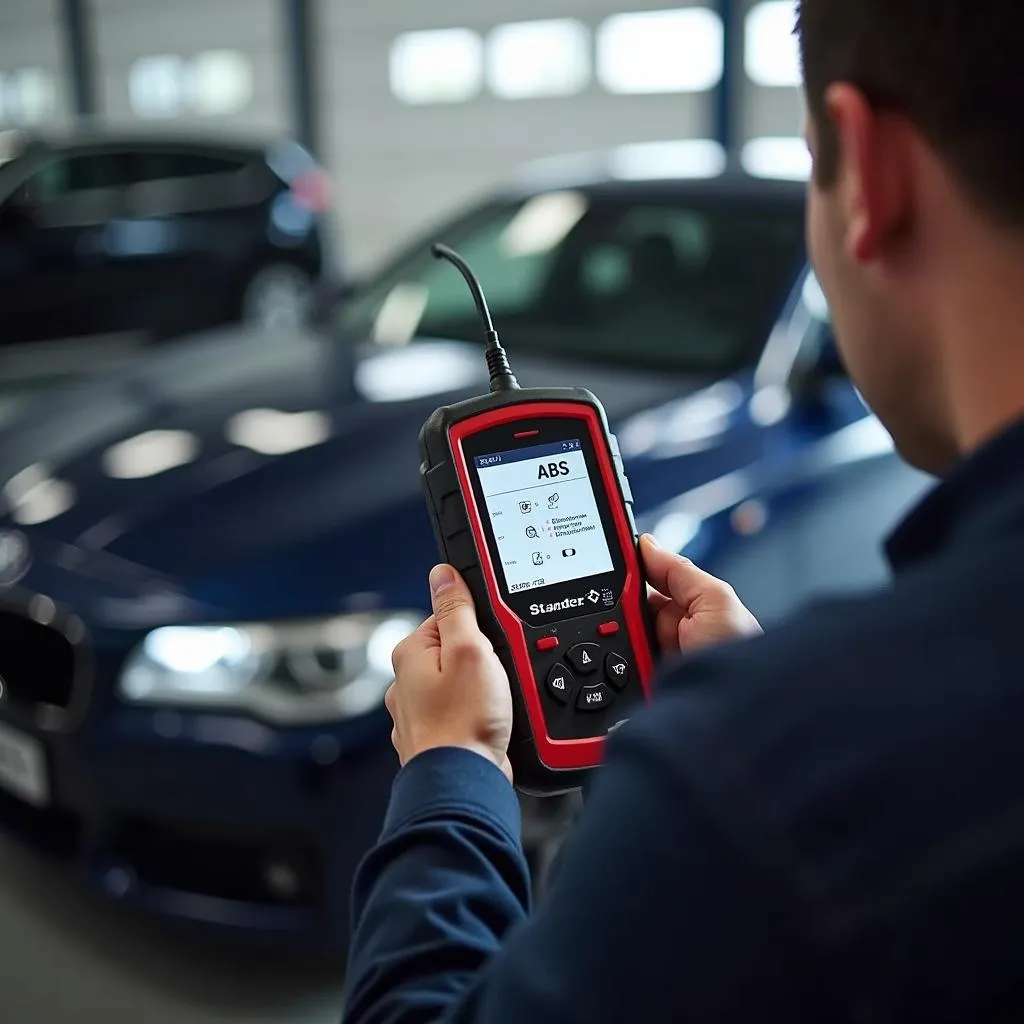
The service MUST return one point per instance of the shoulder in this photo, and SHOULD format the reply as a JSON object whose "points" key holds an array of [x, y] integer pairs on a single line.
{"points": [[852, 744]]}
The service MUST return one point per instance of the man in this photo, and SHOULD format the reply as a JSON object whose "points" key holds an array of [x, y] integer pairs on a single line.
{"points": [[827, 822]]}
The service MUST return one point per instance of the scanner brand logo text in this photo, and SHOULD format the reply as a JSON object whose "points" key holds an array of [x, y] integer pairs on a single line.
{"points": [[563, 606]]}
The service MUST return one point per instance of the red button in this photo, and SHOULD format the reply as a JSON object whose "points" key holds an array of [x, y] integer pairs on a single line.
{"points": [[547, 643], [608, 629]]}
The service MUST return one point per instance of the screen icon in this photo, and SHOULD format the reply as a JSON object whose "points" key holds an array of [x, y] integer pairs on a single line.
{"points": [[568, 552], [531, 532]]}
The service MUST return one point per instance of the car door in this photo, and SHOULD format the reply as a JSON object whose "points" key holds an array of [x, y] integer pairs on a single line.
{"points": [[186, 231]]}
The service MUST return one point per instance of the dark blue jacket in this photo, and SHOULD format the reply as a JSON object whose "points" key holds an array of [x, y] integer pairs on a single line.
{"points": [[823, 824]]}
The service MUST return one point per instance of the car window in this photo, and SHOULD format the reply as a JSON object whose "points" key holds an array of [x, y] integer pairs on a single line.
{"points": [[164, 165], [692, 284], [62, 177]]}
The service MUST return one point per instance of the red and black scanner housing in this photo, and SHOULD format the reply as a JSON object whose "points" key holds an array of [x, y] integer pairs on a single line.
{"points": [[578, 653]]}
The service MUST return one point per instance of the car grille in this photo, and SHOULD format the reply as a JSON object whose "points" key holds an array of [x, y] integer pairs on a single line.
{"points": [[42, 658]]}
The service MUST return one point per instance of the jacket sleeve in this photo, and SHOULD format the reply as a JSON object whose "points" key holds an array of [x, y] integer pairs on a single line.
{"points": [[657, 913]]}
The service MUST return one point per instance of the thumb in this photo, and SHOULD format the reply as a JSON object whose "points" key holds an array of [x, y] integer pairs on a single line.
{"points": [[677, 577], [454, 611]]}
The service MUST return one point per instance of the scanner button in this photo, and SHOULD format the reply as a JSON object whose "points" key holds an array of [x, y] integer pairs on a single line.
{"points": [[547, 643], [608, 629], [585, 658], [559, 683], [594, 698], [616, 668]]}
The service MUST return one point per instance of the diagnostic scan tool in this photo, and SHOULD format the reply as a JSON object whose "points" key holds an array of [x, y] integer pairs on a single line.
{"points": [[530, 503]]}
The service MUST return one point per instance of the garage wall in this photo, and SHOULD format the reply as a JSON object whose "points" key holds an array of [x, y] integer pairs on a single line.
{"points": [[206, 64], [399, 167], [221, 65], [771, 97], [33, 86]]}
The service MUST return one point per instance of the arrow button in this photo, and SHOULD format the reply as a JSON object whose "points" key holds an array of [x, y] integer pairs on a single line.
{"points": [[585, 658], [559, 683], [616, 668]]}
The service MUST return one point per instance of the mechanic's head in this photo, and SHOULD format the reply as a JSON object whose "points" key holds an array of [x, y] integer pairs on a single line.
{"points": [[916, 206]]}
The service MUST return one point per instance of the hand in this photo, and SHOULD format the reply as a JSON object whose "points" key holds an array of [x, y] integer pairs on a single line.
{"points": [[691, 608], [450, 689]]}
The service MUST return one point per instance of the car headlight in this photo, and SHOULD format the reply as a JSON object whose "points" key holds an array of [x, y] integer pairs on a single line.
{"points": [[288, 672]]}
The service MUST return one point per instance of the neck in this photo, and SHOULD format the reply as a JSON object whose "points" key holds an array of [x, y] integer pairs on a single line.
{"points": [[980, 320]]}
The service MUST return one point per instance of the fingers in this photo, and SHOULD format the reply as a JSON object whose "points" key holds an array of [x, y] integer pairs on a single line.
{"points": [[422, 639], [677, 577], [666, 628], [453, 608]]}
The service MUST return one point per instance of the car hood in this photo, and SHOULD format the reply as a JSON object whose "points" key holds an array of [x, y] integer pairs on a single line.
{"points": [[240, 445]]}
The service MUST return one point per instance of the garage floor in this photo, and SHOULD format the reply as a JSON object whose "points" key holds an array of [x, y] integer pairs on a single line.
{"points": [[65, 955]]}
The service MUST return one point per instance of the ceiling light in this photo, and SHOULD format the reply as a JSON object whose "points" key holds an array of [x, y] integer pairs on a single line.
{"points": [[772, 52], [441, 66], [661, 51], [538, 58], [785, 158], [681, 158]]}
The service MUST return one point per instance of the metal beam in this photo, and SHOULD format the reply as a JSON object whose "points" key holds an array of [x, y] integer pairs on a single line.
{"points": [[80, 52], [302, 66], [729, 94]]}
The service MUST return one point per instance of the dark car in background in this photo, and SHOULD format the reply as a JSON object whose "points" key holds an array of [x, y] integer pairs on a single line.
{"points": [[154, 235], [207, 556]]}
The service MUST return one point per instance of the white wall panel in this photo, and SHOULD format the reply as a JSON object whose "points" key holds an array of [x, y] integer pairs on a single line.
{"points": [[126, 30], [400, 167]]}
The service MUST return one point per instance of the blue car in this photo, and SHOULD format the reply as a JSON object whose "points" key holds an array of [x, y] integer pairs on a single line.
{"points": [[208, 555]]}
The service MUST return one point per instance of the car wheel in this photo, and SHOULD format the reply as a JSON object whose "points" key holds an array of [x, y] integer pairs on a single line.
{"points": [[277, 296]]}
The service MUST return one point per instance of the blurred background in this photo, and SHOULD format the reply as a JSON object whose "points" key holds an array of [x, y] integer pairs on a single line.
{"points": [[220, 332]]}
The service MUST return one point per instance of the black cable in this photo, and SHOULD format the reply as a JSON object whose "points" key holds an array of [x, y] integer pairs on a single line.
{"points": [[501, 375]]}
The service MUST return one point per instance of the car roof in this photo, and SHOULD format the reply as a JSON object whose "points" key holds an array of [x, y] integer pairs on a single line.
{"points": [[601, 174], [95, 137]]}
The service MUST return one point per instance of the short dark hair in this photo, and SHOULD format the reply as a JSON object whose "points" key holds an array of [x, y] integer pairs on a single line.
{"points": [[954, 68]]}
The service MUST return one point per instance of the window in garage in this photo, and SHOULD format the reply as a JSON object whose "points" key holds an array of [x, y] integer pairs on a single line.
{"points": [[437, 66], [211, 83], [538, 58], [661, 51], [27, 96], [772, 52], [783, 157], [156, 86]]}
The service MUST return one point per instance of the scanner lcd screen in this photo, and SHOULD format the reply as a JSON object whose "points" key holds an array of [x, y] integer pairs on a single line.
{"points": [[544, 515]]}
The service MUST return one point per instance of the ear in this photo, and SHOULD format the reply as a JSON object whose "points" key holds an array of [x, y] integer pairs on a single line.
{"points": [[873, 171]]}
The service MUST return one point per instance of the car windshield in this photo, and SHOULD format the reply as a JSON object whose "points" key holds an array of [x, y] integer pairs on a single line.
{"points": [[687, 284]]}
